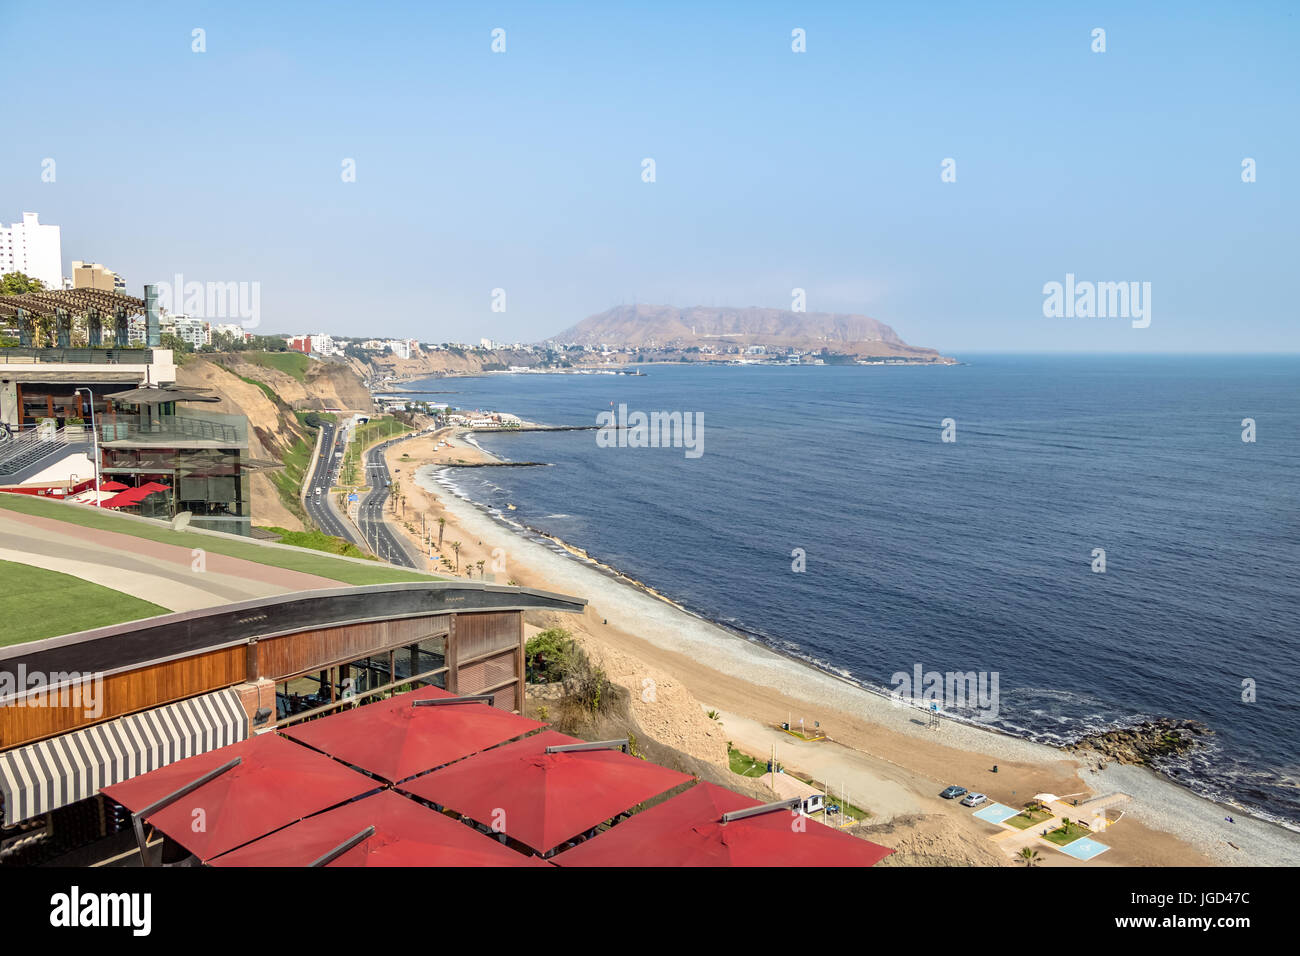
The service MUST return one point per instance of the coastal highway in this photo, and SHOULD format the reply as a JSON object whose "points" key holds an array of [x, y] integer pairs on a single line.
{"points": [[382, 540], [319, 508]]}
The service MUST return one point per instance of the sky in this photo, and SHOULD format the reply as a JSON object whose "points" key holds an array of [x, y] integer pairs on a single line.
{"points": [[774, 170]]}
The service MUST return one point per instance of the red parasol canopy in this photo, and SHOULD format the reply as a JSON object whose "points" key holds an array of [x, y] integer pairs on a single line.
{"points": [[396, 740], [406, 834], [544, 799], [688, 831], [276, 783], [151, 486], [132, 496], [112, 486]]}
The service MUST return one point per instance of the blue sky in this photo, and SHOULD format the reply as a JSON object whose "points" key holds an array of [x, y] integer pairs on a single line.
{"points": [[774, 170]]}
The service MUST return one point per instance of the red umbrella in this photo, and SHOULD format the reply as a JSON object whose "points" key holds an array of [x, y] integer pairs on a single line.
{"points": [[688, 831], [276, 783], [132, 496], [544, 799], [149, 487], [395, 740], [112, 486], [406, 834]]}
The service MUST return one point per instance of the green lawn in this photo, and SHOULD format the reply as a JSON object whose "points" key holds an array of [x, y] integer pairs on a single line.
{"points": [[1067, 834], [291, 363], [306, 561], [1027, 818], [745, 765], [35, 604], [320, 541]]}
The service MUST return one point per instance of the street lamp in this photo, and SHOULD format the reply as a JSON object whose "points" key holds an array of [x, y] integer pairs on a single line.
{"points": [[94, 439]]}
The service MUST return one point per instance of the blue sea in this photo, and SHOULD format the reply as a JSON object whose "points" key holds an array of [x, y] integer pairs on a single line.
{"points": [[971, 555]]}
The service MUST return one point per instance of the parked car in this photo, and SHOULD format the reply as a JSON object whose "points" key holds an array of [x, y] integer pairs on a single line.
{"points": [[952, 793], [974, 800]]}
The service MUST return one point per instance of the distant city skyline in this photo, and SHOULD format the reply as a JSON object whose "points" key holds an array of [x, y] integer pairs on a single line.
{"points": [[935, 170]]}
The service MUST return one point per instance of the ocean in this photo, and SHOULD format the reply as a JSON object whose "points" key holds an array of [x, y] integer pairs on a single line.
{"points": [[976, 554]]}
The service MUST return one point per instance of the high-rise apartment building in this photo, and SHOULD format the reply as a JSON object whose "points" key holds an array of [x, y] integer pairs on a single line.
{"points": [[33, 249]]}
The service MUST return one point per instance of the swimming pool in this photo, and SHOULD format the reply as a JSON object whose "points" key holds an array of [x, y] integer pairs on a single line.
{"points": [[1084, 848], [995, 813]]}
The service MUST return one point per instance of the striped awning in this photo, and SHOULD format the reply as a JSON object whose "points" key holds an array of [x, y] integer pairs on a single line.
{"points": [[53, 773]]}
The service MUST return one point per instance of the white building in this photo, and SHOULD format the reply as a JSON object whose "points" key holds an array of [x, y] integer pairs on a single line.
{"points": [[401, 348], [323, 344], [194, 331], [33, 249]]}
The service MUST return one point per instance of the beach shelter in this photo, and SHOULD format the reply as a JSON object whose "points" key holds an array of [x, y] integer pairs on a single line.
{"points": [[400, 737], [543, 798], [254, 787], [689, 830], [393, 831]]}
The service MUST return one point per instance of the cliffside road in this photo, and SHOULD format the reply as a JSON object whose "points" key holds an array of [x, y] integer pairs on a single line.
{"points": [[319, 507], [387, 544]]}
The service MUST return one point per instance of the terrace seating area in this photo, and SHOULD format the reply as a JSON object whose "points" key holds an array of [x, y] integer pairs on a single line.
{"points": [[428, 778]]}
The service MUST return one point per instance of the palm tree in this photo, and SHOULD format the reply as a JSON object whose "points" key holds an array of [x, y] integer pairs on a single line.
{"points": [[441, 523], [480, 567], [455, 547], [1029, 857]]}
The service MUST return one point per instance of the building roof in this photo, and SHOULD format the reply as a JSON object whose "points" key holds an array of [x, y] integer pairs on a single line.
{"points": [[75, 301]]}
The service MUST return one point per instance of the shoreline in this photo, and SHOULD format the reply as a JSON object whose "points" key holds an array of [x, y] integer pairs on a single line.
{"points": [[726, 669]]}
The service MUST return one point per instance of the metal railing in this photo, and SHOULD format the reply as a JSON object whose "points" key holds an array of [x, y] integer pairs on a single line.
{"points": [[225, 430], [77, 356], [22, 447]]}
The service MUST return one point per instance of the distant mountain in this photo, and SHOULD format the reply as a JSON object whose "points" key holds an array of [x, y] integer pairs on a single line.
{"points": [[666, 326]]}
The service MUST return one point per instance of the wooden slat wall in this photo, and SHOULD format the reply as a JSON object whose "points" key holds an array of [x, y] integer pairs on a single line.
{"points": [[126, 693], [479, 633], [468, 636], [282, 657]]}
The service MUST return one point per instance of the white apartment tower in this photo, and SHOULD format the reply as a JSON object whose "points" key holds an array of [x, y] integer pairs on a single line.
{"points": [[33, 249]]}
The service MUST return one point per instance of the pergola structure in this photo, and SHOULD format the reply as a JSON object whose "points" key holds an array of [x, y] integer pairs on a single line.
{"points": [[37, 313]]}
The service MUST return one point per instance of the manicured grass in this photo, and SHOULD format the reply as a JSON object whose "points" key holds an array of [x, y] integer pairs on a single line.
{"points": [[1067, 834], [320, 541], [745, 765], [291, 363], [1027, 818], [35, 604], [306, 561]]}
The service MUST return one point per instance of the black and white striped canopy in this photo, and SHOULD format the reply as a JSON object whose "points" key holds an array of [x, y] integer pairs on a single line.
{"points": [[53, 773]]}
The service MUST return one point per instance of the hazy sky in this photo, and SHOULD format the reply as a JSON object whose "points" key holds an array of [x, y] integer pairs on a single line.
{"points": [[821, 170]]}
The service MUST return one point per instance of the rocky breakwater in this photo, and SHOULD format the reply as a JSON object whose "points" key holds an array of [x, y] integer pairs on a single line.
{"points": [[1143, 744]]}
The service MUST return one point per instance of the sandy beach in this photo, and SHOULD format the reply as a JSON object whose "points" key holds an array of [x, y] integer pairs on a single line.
{"points": [[886, 757]]}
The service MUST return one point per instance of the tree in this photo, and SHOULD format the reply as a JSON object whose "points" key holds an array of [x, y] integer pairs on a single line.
{"points": [[455, 548], [1029, 857], [18, 283], [441, 524], [480, 567]]}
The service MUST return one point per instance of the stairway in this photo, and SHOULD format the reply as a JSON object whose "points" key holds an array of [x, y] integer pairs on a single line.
{"points": [[30, 451]]}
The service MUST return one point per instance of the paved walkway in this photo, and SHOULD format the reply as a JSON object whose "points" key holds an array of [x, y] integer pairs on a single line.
{"points": [[873, 785], [163, 574]]}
